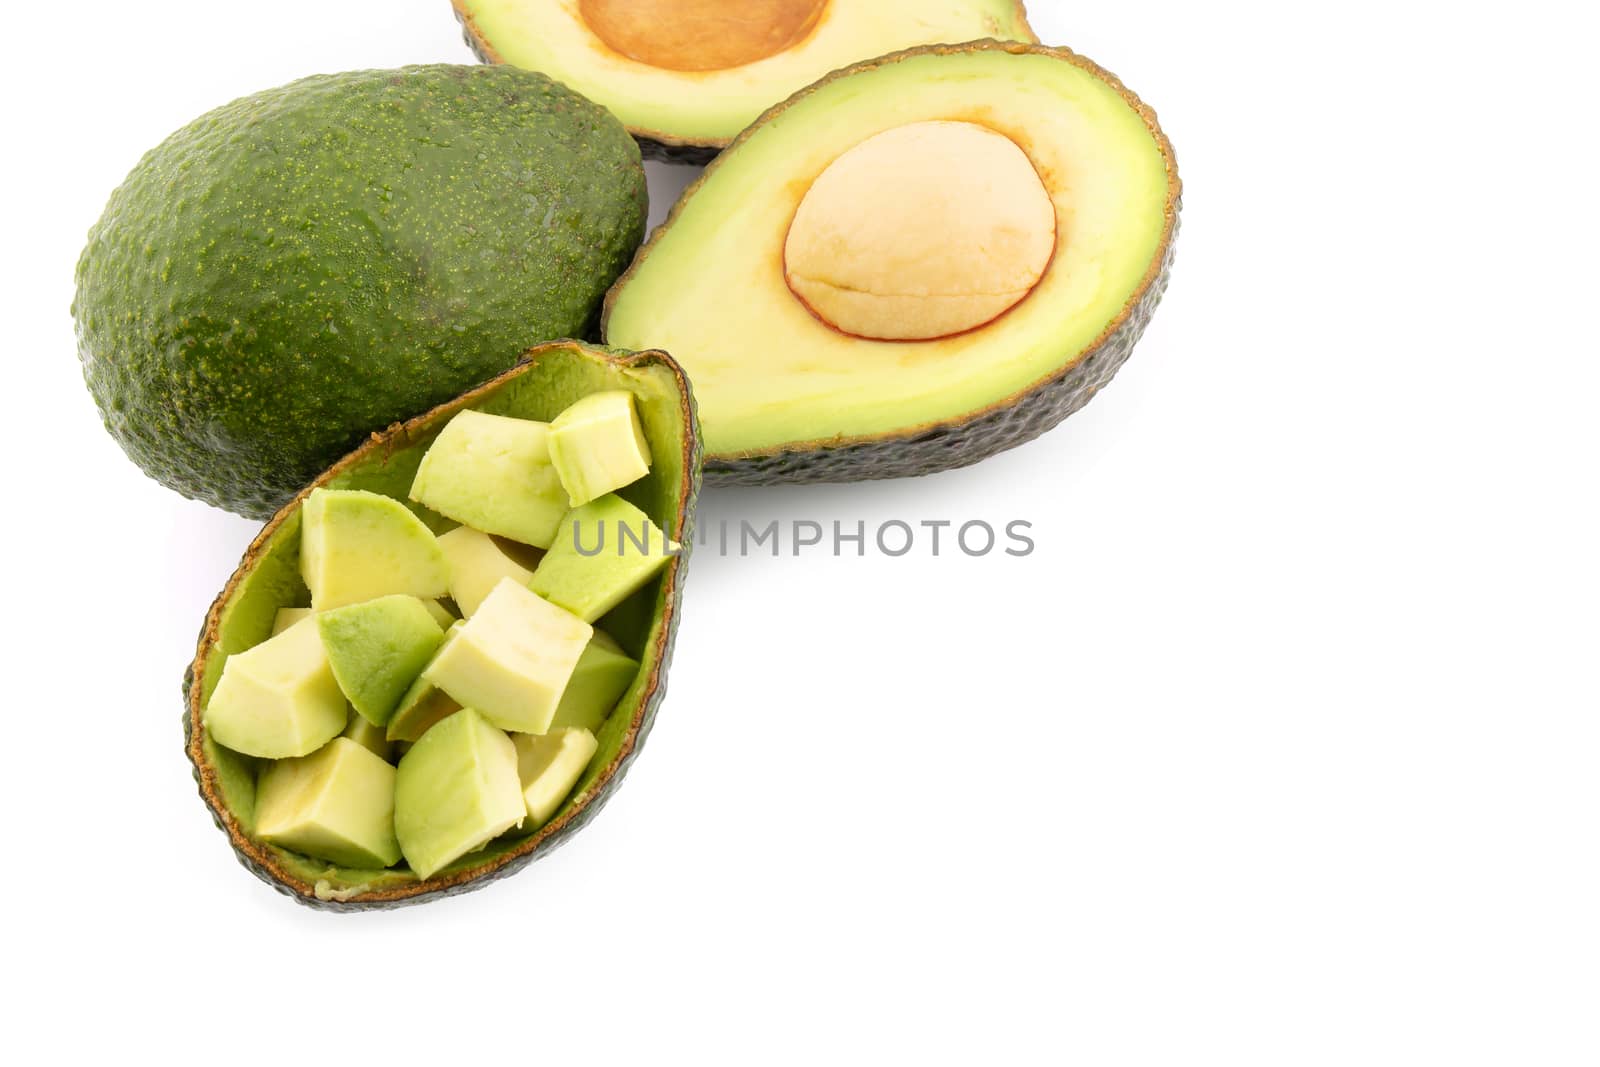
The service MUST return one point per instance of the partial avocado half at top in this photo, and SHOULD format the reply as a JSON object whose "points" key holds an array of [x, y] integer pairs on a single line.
{"points": [[913, 264], [685, 76], [301, 266], [550, 379]]}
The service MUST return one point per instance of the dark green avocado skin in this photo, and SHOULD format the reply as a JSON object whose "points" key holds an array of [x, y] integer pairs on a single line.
{"points": [[649, 147], [306, 265], [962, 443]]}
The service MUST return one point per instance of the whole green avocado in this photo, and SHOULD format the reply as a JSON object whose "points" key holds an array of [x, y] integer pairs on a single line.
{"points": [[304, 266]]}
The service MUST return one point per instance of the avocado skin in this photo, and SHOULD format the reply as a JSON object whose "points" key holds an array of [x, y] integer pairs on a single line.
{"points": [[962, 443], [257, 860], [649, 147], [300, 267]]}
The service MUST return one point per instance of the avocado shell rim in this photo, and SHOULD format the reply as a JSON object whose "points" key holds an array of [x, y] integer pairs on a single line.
{"points": [[261, 860], [656, 144], [1005, 423]]}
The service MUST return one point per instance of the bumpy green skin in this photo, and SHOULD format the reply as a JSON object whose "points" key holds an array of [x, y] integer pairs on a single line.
{"points": [[961, 443], [301, 267], [660, 151]]}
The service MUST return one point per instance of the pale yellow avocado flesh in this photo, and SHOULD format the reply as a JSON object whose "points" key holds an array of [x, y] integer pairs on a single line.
{"points": [[668, 97], [549, 765], [336, 804], [368, 736], [357, 546], [278, 699], [770, 373], [477, 563], [287, 617], [512, 659], [493, 473], [598, 446]]}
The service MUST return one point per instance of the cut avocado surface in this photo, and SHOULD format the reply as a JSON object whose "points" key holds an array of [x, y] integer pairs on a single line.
{"points": [[439, 613], [368, 736], [512, 659], [268, 579], [494, 474], [598, 446], [548, 766], [287, 617], [278, 699], [685, 76], [456, 789], [602, 675], [477, 563], [336, 804], [357, 545], [423, 703], [377, 649], [942, 253], [607, 549], [302, 267]]}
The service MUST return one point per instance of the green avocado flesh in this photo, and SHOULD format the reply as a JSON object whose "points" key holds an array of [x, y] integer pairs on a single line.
{"points": [[689, 79], [377, 649], [301, 267], [455, 791], [600, 678], [772, 375], [607, 549], [297, 727]]}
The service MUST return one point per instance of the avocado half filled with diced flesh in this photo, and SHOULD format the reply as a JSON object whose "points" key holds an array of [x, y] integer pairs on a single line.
{"points": [[393, 698], [937, 255], [685, 76]]}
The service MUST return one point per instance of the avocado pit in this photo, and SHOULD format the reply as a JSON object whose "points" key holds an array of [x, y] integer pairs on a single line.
{"points": [[919, 232], [700, 35]]}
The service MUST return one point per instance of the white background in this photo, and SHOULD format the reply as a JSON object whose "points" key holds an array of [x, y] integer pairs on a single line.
{"points": [[1281, 749]]}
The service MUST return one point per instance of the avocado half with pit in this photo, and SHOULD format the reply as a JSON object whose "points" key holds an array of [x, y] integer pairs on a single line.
{"points": [[685, 76], [913, 264], [550, 379]]}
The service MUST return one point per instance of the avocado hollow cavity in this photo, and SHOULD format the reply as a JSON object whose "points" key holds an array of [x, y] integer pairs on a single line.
{"points": [[685, 76], [700, 35], [921, 231], [333, 807]]}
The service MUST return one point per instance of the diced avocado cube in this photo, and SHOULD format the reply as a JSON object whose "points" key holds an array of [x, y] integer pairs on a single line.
{"points": [[607, 549], [278, 699], [356, 545], [287, 617], [549, 765], [512, 659], [336, 804], [598, 446], [603, 674], [368, 736], [440, 613], [377, 649], [424, 703], [477, 563], [456, 790], [494, 474]]}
